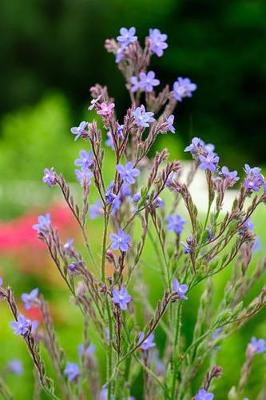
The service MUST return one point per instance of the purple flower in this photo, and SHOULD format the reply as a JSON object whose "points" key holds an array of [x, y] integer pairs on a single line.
{"points": [[22, 326], [254, 180], [1, 281], [175, 223], [209, 161], [183, 87], [109, 195], [88, 351], [15, 366], [258, 345], [72, 371], [157, 41], [127, 36], [74, 266], [188, 245], [135, 84], [127, 172], [121, 298], [44, 223], [83, 176], [49, 177], [80, 130], [29, 299], [136, 197], [85, 160], [169, 124], [68, 247], [148, 81], [125, 190], [96, 210], [119, 54], [158, 202], [143, 118], [148, 343], [109, 141], [204, 395], [230, 177], [217, 333], [180, 289], [120, 240]]}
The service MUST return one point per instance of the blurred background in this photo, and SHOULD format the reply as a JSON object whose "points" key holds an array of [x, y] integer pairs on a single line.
{"points": [[52, 52]]}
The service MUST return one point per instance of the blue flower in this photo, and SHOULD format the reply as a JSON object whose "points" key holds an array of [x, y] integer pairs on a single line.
{"points": [[109, 141], [169, 124], [49, 177], [15, 366], [29, 299], [68, 247], [230, 177], [1, 281], [81, 130], [127, 172], [157, 42], [22, 326], [148, 343], [180, 289], [121, 298], [127, 36], [88, 351], [135, 84], [85, 160], [120, 240], [183, 87], [209, 161], [175, 223], [254, 180], [204, 395], [147, 81], [96, 210], [142, 118], [72, 371], [44, 224], [258, 345]]}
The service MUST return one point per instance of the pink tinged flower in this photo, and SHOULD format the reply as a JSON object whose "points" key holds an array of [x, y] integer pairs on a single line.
{"points": [[72, 371], [127, 36], [127, 172], [121, 298], [183, 87], [106, 109], [157, 42], [22, 326], [209, 161], [96, 210], [258, 345], [143, 118], [204, 395], [80, 131], [85, 160], [180, 289], [120, 240], [29, 299], [148, 343], [148, 81], [44, 224], [49, 177]]}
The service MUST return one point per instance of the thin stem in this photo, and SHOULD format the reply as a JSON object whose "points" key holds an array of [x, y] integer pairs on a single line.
{"points": [[177, 327]]}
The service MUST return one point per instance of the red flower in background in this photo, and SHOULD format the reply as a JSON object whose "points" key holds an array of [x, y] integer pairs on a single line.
{"points": [[19, 240]]}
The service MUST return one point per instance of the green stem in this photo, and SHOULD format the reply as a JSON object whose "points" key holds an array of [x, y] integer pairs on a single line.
{"points": [[106, 221], [110, 351], [178, 323]]}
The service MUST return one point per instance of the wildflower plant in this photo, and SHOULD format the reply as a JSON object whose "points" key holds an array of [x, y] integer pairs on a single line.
{"points": [[142, 203]]}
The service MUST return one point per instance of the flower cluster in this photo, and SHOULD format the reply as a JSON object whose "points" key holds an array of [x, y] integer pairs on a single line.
{"points": [[149, 234]]}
